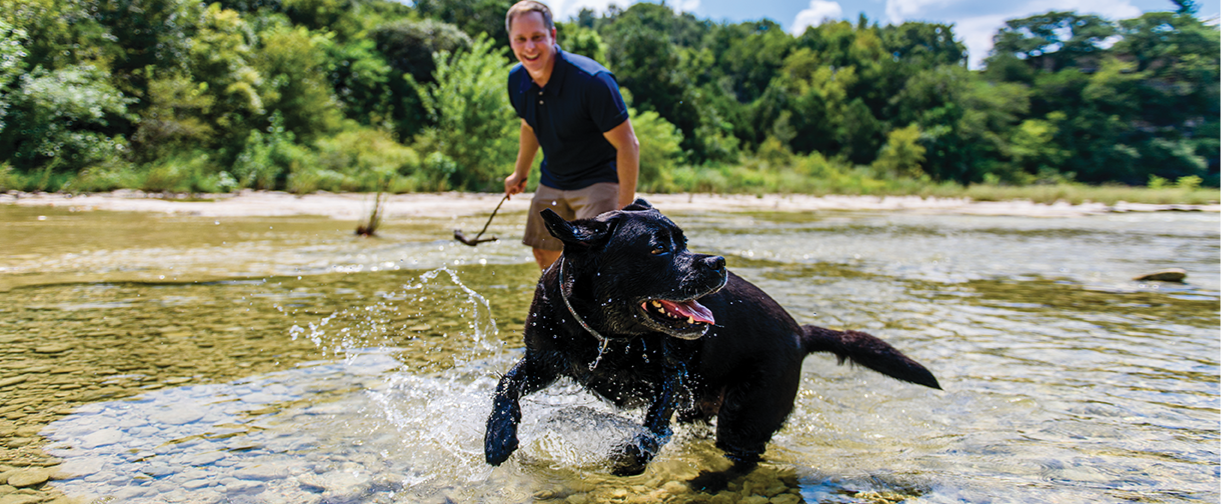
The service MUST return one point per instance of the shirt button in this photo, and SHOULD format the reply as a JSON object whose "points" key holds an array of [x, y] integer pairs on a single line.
{"points": [[540, 102]]}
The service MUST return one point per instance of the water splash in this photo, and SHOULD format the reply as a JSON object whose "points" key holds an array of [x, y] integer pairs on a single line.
{"points": [[436, 317]]}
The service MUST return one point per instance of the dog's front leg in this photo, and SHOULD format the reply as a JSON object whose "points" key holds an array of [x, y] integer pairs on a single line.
{"points": [[500, 440], [631, 458]]}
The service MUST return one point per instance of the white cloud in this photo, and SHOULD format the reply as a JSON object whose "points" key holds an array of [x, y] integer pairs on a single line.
{"points": [[564, 9], [898, 11], [976, 30], [819, 11], [976, 33], [686, 5]]}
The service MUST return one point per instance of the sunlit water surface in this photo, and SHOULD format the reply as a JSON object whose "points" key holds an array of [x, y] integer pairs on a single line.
{"points": [[182, 359]]}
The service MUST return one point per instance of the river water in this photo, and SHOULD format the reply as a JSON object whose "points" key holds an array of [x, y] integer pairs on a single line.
{"points": [[169, 358]]}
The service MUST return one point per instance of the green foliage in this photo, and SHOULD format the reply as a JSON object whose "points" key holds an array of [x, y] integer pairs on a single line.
{"points": [[182, 172], [475, 124], [475, 17], [578, 39], [1034, 150], [58, 120], [1190, 182], [12, 53], [305, 95], [266, 159], [660, 151], [902, 155], [360, 159], [1054, 40], [409, 44], [408, 47], [297, 87], [360, 77], [174, 117]]}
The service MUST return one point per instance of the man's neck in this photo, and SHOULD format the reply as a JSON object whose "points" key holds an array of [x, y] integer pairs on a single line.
{"points": [[544, 75]]}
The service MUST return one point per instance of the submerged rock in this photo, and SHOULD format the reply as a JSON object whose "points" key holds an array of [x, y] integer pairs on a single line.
{"points": [[20, 499], [1164, 275], [28, 478]]}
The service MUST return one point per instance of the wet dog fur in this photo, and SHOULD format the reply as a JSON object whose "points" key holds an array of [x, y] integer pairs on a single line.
{"points": [[633, 316]]}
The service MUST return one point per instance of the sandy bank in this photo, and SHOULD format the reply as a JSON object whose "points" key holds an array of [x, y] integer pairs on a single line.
{"points": [[356, 206]]}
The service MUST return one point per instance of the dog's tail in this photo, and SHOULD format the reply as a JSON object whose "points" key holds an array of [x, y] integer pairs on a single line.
{"points": [[869, 351]]}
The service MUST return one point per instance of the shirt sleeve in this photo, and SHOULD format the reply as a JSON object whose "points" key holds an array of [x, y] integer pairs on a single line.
{"points": [[515, 95], [605, 104]]}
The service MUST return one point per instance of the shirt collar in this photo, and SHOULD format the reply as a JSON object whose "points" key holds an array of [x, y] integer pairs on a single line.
{"points": [[555, 83]]}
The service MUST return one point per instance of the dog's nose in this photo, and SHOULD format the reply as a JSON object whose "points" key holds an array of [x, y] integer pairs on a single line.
{"points": [[715, 263]]}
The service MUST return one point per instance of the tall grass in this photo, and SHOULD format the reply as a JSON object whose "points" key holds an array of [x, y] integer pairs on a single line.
{"points": [[345, 167], [818, 176], [1080, 193]]}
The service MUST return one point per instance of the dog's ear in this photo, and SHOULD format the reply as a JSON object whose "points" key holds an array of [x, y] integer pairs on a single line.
{"points": [[639, 204], [582, 233]]}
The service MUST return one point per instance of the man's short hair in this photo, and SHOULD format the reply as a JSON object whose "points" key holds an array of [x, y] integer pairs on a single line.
{"points": [[525, 6]]}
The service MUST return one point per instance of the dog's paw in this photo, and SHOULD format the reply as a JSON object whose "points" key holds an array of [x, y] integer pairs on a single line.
{"points": [[629, 460], [632, 457], [500, 441]]}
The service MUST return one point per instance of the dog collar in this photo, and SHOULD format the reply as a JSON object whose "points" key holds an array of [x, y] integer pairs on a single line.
{"points": [[602, 340]]}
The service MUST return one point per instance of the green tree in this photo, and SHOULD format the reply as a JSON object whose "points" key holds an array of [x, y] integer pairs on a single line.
{"points": [[1054, 40], [902, 156], [581, 40], [294, 66], [475, 124], [60, 121], [361, 79], [12, 64], [660, 151], [471, 16], [408, 46]]}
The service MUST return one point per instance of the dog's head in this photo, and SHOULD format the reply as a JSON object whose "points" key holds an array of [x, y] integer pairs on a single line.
{"points": [[633, 269]]}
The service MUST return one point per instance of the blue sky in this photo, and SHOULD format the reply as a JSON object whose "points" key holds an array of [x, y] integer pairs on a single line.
{"points": [[975, 21]]}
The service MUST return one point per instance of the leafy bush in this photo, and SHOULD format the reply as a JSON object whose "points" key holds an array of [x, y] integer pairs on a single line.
{"points": [[57, 118], [360, 159], [475, 124], [660, 151], [186, 172], [266, 159], [902, 156]]}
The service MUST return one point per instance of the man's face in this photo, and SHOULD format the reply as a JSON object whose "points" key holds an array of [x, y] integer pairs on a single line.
{"points": [[532, 42]]}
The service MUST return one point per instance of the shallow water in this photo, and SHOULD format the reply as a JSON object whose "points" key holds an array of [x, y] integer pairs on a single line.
{"points": [[154, 358]]}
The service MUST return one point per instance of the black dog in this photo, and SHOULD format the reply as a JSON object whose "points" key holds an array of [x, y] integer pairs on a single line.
{"points": [[632, 315]]}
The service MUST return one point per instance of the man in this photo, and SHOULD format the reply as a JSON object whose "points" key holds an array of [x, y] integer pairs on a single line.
{"points": [[571, 107]]}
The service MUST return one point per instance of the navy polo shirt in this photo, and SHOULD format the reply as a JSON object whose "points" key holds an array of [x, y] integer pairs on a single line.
{"points": [[580, 102]]}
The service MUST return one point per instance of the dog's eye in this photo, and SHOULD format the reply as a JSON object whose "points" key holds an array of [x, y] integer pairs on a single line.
{"points": [[658, 249]]}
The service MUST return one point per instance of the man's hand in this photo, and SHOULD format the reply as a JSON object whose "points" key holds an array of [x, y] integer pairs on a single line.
{"points": [[514, 184]]}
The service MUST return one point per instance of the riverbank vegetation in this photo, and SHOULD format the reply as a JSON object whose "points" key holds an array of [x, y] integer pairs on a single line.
{"points": [[369, 95]]}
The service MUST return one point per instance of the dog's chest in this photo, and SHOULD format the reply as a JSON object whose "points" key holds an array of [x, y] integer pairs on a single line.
{"points": [[629, 374]]}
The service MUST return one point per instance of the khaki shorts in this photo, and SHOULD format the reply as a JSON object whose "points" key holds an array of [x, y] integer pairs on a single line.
{"points": [[579, 204]]}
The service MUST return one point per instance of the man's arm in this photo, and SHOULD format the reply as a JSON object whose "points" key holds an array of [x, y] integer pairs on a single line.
{"points": [[527, 148], [627, 160]]}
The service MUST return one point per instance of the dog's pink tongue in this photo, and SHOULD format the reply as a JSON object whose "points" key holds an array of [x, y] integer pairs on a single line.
{"points": [[691, 309]]}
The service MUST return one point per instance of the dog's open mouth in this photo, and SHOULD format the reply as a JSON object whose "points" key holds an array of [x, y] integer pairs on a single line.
{"points": [[684, 319]]}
